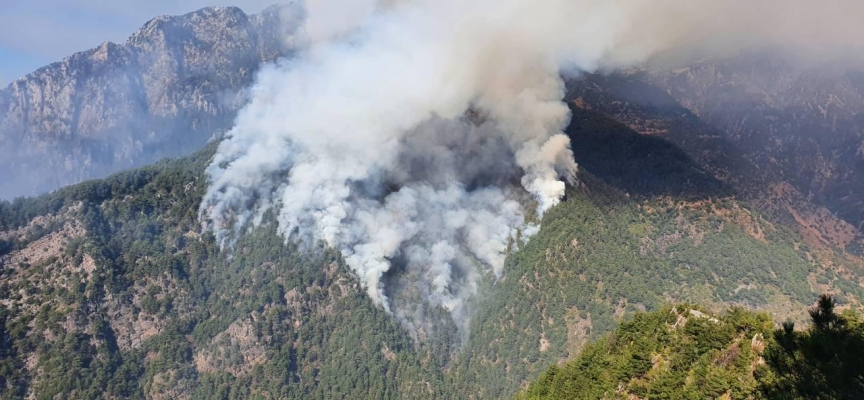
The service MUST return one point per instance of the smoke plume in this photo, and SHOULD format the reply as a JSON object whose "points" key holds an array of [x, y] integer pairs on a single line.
{"points": [[397, 134]]}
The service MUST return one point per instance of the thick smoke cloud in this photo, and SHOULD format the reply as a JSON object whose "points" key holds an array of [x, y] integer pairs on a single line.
{"points": [[397, 135]]}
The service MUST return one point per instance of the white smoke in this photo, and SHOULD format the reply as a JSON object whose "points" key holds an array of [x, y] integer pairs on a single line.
{"points": [[395, 135]]}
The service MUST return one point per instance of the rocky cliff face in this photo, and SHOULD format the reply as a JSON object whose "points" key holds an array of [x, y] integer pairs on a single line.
{"points": [[163, 93]]}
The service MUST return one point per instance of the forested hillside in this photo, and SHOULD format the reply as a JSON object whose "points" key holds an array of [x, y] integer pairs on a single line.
{"points": [[681, 352], [110, 288], [600, 257]]}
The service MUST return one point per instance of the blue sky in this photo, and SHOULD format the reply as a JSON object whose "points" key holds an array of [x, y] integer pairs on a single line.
{"points": [[34, 33]]}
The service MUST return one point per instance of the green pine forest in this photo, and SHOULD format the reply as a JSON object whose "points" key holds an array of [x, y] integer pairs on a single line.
{"points": [[680, 352]]}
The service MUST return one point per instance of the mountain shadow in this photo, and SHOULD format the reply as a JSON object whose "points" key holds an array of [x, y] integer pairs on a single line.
{"points": [[639, 164]]}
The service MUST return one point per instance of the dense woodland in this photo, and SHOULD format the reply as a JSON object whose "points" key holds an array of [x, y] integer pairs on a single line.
{"points": [[680, 352], [111, 288]]}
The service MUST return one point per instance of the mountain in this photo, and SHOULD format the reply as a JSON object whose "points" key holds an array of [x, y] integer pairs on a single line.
{"points": [[787, 138], [162, 93], [110, 288]]}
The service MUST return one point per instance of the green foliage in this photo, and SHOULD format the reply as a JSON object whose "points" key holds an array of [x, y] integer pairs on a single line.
{"points": [[679, 352], [824, 362], [166, 311]]}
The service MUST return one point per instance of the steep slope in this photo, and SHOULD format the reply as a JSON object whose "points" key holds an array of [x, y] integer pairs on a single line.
{"points": [[600, 257], [108, 287], [163, 93], [112, 292]]}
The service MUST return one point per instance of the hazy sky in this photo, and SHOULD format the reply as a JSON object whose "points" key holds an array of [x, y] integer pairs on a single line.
{"points": [[34, 33]]}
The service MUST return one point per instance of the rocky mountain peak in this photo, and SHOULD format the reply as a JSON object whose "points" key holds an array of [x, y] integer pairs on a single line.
{"points": [[162, 93]]}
